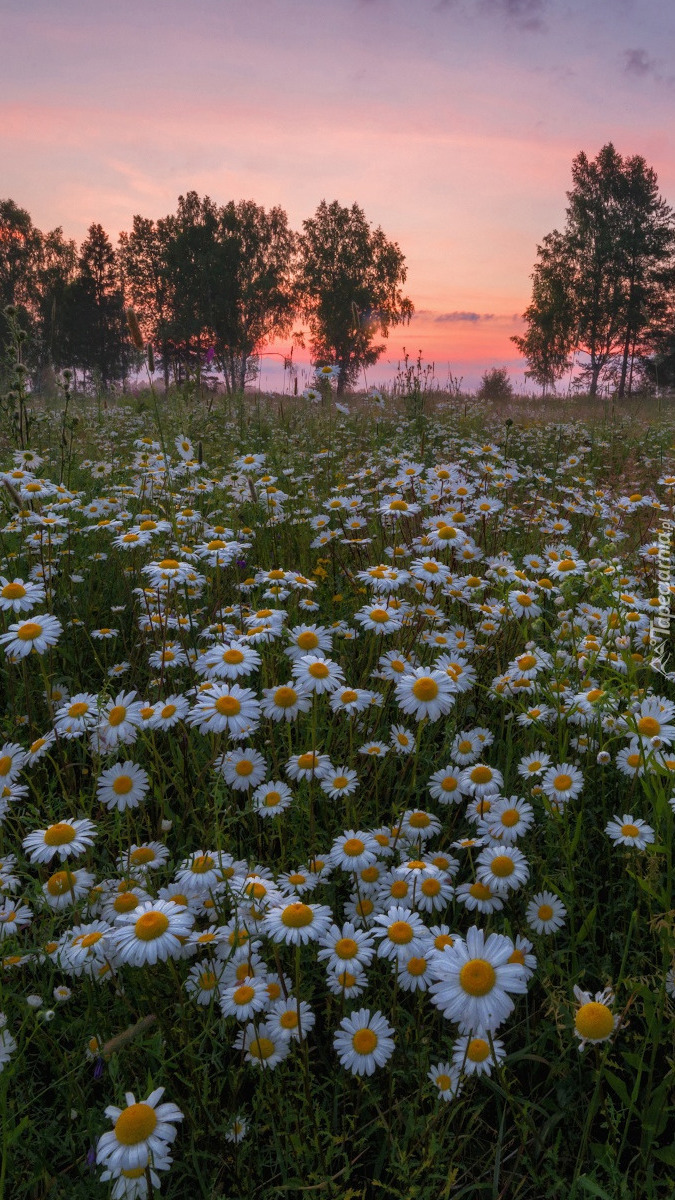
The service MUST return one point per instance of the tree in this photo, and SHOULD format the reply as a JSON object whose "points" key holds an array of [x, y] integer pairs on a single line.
{"points": [[550, 317], [602, 286], [349, 282], [495, 385], [95, 328], [143, 270], [255, 301], [20, 252]]}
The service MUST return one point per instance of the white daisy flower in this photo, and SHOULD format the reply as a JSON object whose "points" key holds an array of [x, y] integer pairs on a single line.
{"points": [[425, 694], [63, 839], [364, 1041], [123, 786], [545, 913], [142, 1133], [151, 933], [297, 923], [475, 981], [630, 831], [38, 634]]}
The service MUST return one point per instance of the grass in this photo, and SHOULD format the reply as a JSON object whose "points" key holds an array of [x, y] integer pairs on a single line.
{"points": [[548, 1122]]}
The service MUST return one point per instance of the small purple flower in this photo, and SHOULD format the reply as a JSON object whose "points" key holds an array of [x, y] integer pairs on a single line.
{"points": [[210, 355], [91, 1157], [98, 1067], [241, 563]]}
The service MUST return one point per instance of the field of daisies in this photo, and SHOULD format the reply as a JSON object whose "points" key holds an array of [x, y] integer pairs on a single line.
{"points": [[336, 798]]}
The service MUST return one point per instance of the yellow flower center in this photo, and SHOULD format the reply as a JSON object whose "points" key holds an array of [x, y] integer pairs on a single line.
{"points": [[379, 615], [481, 775], [431, 887], [400, 932], [13, 591], [425, 689], [510, 817], [289, 1019], [168, 564], [649, 727], [135, 1124], [233, 656], [245, 767], [143, 854], [480, 891], [416, 966], [544, 912], [307, 640], [477, 977], [29, 631], [346, 948], [151, 925], [261, 1047], [518, 956], [90, 939], [122, 785], [296, 916], [477, 1050], [319, 670], [168, 711], [353, 846], [419, 820], [364, 1041], [399, 889], [502, 865], [443, 1082], [630, 830], [60, 834], [207, 981], [365, 907], [594, 1020], [116, 715], [307, 762], [567, 564], [272, 799], [562, 782], [243, 994], [5, 764], [227, 706], [285, 697]]}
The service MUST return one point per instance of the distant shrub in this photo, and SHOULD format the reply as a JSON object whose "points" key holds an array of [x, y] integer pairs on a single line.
{"points": [[495, 385]]}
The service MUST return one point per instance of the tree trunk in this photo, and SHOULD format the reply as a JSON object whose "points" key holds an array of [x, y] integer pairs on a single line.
{"points": [[593, 389]]}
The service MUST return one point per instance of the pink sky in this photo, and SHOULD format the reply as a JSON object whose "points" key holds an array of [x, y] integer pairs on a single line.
{"points": [[452, 123]]}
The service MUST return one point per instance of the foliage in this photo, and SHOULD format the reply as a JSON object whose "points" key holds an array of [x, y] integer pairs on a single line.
{"points": [[495, 385]]}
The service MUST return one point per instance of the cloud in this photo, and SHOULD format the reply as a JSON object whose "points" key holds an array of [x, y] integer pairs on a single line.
{"points": [[639, 64], [526, 14], [442, 318]]}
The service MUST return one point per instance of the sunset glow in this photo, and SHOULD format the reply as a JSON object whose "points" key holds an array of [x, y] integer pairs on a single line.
{"points": [[453, 125]]}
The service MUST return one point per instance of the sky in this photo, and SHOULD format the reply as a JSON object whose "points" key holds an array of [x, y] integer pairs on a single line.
{"points": [[452, 123]]}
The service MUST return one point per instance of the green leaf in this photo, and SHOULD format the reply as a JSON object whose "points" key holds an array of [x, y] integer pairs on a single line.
{"points": [[587, 925], [666, 1154]]}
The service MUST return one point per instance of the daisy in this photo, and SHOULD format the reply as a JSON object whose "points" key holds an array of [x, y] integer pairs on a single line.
{"points": [[533, 764], [481, 780], [594, 1020], [123, 786], [378, 619], [414, 973], [242, 769], [168, 713], [265, 1046], [629, 831], [509, 819], [12, 758], [62, 839], [402, 933], [307, 765], [478, 896], [545, 913], [19, 596], [446, 1080], [502, 868], [201, 872], [229, 660], [224, 707], [142, 1133], [119, 720], [317, 675], [347, 984], [340, 782], [271, 799], [283, 703], [308, 639], [66, 887], [346, 949], [425, 694], [151, 933], [418, 825], [244, 998], [475, 979], [631, 760], [364, 1042], [13, 918], [349, 700], [77, 715], [446, 786], [297, 922], [140, 859], [653, 719], [562, 783], [432, 891], [353, 851], [477, 1053], [37, 634]]}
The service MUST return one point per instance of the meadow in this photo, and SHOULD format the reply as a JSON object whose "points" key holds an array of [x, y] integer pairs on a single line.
{"points": [[338, 793]]}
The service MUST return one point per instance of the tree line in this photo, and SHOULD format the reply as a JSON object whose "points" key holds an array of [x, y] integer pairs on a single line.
{"points": [[208, 283], [218, 282]]}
